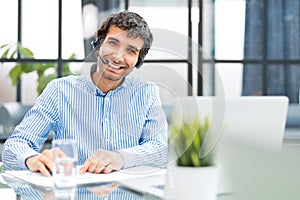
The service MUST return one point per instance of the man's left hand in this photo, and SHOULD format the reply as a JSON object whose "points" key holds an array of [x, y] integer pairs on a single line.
{"points": [[103, 161]]}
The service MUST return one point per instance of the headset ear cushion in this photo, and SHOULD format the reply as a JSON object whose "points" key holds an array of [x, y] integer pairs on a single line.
{"points": [[94, 43], [97, 43], [139, 63]]}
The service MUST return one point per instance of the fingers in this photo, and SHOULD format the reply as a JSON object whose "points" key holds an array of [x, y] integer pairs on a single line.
{"points": [[43, 169], [93, 166], [46, 158], [103, 162], [85, 166], [99, 168], [100, 162], [40, 163], [108, 170], [43, 162]]}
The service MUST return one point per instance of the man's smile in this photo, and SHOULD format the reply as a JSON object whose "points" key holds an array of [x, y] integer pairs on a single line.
{"points": [[115, 66]]}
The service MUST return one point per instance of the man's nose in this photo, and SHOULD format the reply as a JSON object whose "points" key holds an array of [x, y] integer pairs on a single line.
{"points": [[120, 55]]}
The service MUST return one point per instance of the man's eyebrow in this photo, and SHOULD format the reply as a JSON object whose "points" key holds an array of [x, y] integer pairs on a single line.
{"points": [[112, 38], [133, 47]]}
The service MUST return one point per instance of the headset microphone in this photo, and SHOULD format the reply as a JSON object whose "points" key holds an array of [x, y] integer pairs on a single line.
{"points": [[105, 62], [94, 44]]}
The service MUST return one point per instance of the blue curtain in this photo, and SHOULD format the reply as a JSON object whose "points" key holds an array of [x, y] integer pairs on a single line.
{"points": [[283, 42]]}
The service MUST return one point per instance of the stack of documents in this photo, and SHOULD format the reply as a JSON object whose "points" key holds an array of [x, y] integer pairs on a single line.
{"points": [[40, 180]]}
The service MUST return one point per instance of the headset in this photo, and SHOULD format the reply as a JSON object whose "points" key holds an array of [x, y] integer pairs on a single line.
{"points": [[97, 43]]}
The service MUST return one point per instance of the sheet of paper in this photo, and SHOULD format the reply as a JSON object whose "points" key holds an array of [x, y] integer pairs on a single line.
{"points": [[38, 179]]}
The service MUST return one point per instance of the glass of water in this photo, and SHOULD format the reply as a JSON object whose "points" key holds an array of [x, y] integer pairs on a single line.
{"points": [[64, 164]]}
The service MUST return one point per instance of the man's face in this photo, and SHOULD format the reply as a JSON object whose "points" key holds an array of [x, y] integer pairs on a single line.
{"points": [[120, 52]]}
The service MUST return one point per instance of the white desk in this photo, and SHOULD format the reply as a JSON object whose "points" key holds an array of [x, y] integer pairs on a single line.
{"points": [[20, 190]]}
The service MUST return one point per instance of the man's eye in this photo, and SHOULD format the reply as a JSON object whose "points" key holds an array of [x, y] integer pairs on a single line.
{"points": [[131, 51], [114, 43]]}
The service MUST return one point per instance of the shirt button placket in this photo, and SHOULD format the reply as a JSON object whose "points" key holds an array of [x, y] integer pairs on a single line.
{"points": [[106, 120]]}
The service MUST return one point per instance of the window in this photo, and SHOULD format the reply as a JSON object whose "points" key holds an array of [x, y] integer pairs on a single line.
{"points": [[213, 46]]}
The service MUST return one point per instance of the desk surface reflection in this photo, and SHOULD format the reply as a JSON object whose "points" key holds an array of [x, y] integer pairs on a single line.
{"points": [[109, 191], [95, 192]]}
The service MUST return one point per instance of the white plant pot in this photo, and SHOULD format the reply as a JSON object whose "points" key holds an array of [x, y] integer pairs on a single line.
{"points": [[191, 183]]}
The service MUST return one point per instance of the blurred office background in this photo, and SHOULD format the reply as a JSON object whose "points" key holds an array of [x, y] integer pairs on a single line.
{"points": [[247, 47], [201, 47], [226, 48]]}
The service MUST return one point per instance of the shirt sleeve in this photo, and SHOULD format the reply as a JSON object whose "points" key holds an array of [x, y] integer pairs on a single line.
{"points": [[152, 149], [30, 135]]}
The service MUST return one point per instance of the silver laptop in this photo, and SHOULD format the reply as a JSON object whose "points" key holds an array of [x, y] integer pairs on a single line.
{"points": [[258, 121], [152, 185]]}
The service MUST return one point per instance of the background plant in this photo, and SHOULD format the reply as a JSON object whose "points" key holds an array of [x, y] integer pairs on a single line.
{"points": [[188, 141], [45, 71]]}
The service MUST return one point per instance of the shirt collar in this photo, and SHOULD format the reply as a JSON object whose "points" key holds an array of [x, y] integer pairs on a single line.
{"points": [[94, 89]]}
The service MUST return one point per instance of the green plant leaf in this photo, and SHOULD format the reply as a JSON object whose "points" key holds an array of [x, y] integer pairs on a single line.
{"points": [[42, 67], [13, 54], [197, 141], [25, 52], [195, 159], [66, 69], [188, 140], [5, 53], [43, 81], [23, 67], [72, 56], [15, 73], [28, 67], [4, 45]]}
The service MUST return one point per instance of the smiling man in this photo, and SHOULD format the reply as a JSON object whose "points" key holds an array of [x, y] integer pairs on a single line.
{"points": [[117, 57], [116, 120]]}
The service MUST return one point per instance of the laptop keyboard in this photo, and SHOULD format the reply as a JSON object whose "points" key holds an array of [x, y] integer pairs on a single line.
{"points": [[160, 186]]}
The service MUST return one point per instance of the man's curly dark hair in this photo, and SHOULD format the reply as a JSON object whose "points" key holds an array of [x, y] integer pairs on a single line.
{"points": [[135, 26]]}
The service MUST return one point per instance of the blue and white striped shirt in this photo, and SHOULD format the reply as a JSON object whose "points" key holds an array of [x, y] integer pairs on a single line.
{"points": [[129, 120]]}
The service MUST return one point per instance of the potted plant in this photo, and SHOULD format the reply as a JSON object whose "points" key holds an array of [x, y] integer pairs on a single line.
{"points": [[45, 71], [195, 173], [189, 145]]}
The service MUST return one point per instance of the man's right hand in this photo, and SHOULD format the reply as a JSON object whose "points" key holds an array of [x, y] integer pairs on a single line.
{"points": [[43, 162]]}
